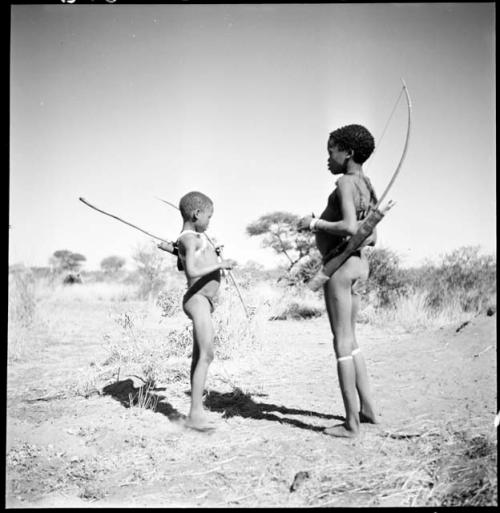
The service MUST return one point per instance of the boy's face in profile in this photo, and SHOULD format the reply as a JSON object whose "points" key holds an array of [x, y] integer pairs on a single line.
{"points": [[203, 218], [337, 159]]}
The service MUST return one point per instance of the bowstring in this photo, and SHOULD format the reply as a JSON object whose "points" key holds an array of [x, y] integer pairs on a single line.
{"points": [[385, 128]]}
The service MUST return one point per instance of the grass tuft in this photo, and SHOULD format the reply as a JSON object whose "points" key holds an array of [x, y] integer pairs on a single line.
{"points": [[412, 312]]}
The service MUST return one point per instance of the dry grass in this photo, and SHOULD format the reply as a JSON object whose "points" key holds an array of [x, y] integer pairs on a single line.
{"points": [[157, 340], [22, 298], [22, 314], [147, 345], [420, 464], [466, 472], [143, 398], [235, 334], [412, 313], [158, 347]]}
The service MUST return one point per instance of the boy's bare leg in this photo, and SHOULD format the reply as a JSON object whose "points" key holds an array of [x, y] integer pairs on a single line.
{"points": [[367, 410], [195, 356], [347, 378], [198, 309], [339, 307]]}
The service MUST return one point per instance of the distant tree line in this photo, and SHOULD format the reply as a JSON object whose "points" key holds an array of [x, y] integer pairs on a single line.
{"points": [[463, 276]]}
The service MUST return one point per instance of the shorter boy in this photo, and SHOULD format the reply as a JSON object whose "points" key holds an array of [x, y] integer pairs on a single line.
{"points": [[202, 267]]}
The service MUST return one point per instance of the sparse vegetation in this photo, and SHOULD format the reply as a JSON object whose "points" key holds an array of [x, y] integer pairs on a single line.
{"points": [[22, 312], [463, 276], [143, 398], [464, 471], [151, 267], [168, 301], [22, 298], [435, 464], [137, 360], [461, 285]]}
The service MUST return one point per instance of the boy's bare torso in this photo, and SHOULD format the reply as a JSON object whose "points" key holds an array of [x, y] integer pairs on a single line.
{"points": [[326, 242], [205, 255]]}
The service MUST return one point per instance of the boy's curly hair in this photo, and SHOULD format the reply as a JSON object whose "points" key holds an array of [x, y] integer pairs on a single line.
{"points": [[356, 138], [192, 201]]}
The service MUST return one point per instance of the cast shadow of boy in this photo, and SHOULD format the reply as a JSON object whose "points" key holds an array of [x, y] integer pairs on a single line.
{"points": [[128, 395], [237, 402]]}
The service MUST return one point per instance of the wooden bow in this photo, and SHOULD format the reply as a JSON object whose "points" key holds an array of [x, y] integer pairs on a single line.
{"points": [[166, 244], [405, 149], [368, 224]]}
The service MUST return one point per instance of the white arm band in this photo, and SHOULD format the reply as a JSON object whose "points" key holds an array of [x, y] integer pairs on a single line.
{"points": [[313, 223]]}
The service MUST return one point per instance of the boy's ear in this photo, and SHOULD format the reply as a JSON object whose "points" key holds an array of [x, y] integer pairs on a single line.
{"points": [[195, 215]]}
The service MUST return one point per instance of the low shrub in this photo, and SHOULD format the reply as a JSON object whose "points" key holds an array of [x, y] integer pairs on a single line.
{"points": [[386, 280], [462, 284], [466, 276], [297, 303], [298, 311]]}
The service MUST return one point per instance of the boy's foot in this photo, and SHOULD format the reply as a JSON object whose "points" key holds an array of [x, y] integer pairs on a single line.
{"points": [[368, 418], [341, 431], [199, 424]]}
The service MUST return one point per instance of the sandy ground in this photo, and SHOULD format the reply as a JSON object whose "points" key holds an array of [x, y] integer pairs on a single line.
{"points": [[64, 449]]}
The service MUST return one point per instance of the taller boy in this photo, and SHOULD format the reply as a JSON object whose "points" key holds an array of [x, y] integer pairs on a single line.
{"points": [[348, 148]]}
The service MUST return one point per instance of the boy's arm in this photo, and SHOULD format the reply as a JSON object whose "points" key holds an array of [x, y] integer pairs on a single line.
{"points": [[348, 224], [169, 247], [188, 245]]}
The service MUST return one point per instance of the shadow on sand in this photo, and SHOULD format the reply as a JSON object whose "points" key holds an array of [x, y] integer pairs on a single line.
{"points": [[237, 403], [230, 404], [127, 394]]}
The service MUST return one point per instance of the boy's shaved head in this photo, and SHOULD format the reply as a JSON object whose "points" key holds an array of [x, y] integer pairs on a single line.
{"points": [[192, 201], [356, 138]]}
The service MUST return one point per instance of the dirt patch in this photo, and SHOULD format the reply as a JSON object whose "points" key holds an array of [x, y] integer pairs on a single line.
{"points": [[68, 448]]}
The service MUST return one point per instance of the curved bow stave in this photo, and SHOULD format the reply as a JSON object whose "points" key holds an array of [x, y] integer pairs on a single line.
{"points": [[405, 149]]}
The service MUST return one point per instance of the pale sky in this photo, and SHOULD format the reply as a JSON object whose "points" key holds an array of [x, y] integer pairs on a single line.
{"points": [[122, 103]]}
